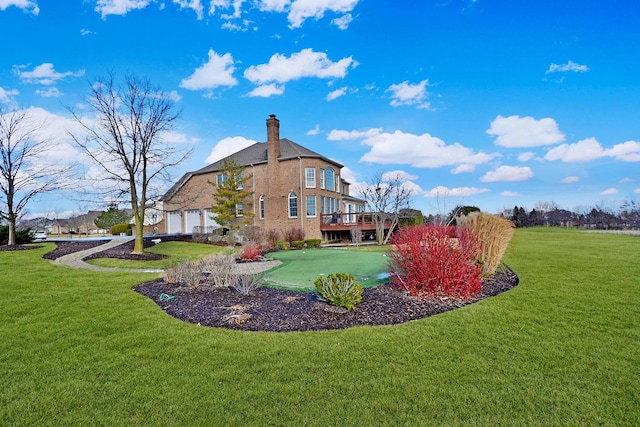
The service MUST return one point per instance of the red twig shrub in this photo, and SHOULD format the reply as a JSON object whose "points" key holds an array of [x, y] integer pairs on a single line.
{"points": [[429, 263], [251, 251]]}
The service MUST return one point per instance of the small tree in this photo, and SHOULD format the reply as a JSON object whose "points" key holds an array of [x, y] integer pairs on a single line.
{"points": [[232, 201], [111, 217], [24, 169], [386, 195]]}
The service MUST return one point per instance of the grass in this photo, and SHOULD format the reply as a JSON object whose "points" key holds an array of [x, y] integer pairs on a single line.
{"points": [[563, 349], [300, 268], [177, 253]]}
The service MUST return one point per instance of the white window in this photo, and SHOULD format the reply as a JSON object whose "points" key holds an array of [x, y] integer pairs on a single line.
{"points": [[322, 178], [261, 206], [310, 176], [239, 183], [239, 210], [311, 206], [221, 178], [293, 205]]}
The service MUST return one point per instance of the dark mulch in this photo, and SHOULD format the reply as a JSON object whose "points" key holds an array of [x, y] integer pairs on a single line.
{"points": [[68, 247], [277, 310], [7, 248]]}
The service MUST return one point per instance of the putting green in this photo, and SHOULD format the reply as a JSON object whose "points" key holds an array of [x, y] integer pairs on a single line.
{"points": [[300, 268]]}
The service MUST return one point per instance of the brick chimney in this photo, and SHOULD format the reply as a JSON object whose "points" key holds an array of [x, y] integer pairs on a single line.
{"points": [[273, 138]]}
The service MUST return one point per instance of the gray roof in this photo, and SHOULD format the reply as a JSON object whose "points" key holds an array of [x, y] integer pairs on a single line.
{"points": [[252, 155]]}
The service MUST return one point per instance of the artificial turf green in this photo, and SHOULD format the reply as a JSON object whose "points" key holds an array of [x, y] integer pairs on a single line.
{"points": [[300, 268], [561, 349]]}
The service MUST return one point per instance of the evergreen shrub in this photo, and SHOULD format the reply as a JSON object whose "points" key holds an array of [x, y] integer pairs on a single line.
{"points": [[339, 289]]}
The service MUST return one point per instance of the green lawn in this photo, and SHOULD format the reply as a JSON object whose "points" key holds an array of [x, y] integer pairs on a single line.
{"points": [[79, 348], [300, 268]]}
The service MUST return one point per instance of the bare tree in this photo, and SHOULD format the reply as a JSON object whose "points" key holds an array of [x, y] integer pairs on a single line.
{"points": [[24, 170], [386, 195], [125, 140]]}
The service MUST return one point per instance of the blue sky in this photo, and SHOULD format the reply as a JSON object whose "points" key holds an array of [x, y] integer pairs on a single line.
{"points": [[486, 102]]}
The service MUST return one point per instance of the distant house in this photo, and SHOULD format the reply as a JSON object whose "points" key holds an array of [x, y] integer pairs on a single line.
{"points": [[292, 187]]}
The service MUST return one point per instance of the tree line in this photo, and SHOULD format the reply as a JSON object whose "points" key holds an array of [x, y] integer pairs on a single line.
{"points": [[626, 217]]}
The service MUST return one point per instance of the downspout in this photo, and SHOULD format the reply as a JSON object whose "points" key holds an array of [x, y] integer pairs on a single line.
{"points": [[300, 208], [253, 191]]}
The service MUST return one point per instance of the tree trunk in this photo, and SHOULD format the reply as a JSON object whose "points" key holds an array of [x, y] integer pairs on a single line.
{"points": [[138, 247], [12, 232]]}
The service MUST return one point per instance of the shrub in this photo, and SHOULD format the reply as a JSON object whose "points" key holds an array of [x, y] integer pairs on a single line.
{"points": [[494, 232], [220, 269], [271, 237], [121, 228], [293, 233], [339, 289], [282, 245], [251, 251], [427, 262], [191, 273], [247, 283], [298, 244], [173, 276], [22, 236], [313, 243]]}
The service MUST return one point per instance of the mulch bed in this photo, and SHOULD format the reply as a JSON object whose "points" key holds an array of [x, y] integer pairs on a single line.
{"points": [[277, 310]]}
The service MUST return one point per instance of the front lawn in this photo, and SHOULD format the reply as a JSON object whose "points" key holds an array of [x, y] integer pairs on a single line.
{"points": [[563, 348]]}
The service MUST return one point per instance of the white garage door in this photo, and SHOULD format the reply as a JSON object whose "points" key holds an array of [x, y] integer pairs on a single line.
{"points": [[209, 223], [191, 220], [174, 222]]}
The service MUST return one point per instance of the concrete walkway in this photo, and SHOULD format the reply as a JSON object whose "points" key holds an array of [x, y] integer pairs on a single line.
{"points": [[74, 260]]}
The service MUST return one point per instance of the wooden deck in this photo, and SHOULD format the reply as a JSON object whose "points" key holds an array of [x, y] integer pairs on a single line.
{"points": [[347, 221]]}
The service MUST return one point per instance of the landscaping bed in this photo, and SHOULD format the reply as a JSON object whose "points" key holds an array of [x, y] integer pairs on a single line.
{"points": [[278, 310]]}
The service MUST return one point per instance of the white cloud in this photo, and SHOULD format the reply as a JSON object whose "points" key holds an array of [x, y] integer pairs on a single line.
{"points": [[6, 96], [85, 32], [527, 156], [26, 5], [516, 131], [637, 190], [627, 151], [399, 175], [316, 131], [242, 26], [570, 180], [508, 173], [196, 5], [590, 149], [569, 66], [582, 151], [423, 151], [337, 93], [442, 191], [306, 63], [45, 74], [343, 22], [218, 71], [509, 194], [177, 138], [51, 92], [406, 93], [228, 146], [348, 175], [119, 7], [273, 5], [226, 4], [301, 10], [609, 192], [463, 168], [265, 91], [343, 135]]}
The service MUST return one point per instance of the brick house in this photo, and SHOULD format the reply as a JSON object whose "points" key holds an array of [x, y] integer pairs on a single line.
{"points": [[292, 187]]}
